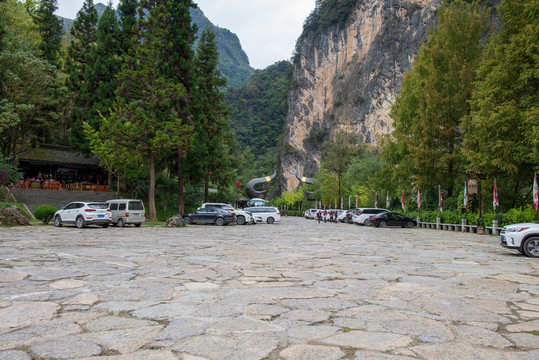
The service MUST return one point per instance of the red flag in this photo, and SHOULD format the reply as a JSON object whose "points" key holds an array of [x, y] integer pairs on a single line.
{"points": [[495, 202], [402, 201], [376, 199], [535, 193], [356, 200]]}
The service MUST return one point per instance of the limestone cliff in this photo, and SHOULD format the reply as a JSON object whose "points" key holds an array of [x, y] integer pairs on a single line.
{"points": [[346, 78]]}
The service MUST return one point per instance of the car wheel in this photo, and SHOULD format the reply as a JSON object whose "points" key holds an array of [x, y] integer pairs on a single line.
{"points": [[187, 220], [531, 247], [57, 221], [121, 223], [383, 224], [138, 224], [240, 220], [271, 220], [80, 222], [219, 221], [367, 223], [410, 225], [104, 226]]}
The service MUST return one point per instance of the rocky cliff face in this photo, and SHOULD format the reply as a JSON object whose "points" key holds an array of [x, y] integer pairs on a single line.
{"points": [[347, 78]]}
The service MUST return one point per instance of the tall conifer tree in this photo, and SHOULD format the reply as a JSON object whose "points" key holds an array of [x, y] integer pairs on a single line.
{"points": [[79, 57], [178, 67], [100, 73], [50, 28], [212, 124], [127, 12]]}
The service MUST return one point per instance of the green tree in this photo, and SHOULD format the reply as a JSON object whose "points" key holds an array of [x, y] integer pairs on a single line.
{"points": [[100, 73], [338, 158], [178, 68], [502, 131], [144, 119], [427, 140], [127, 13], [79, 57], [50, 28], [212, 119]]}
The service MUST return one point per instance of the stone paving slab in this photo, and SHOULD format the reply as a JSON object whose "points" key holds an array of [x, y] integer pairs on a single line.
{"points": [[290, 291]]}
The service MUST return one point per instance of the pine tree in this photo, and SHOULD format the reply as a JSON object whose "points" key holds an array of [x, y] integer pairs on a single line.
{"points": [[178, 67], [50, 29], [100, 74], [79, 57], [144, 119], [212, 124], [127, 12]]}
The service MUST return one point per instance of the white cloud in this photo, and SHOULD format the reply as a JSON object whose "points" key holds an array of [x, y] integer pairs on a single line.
{"points": [[267, 30]]}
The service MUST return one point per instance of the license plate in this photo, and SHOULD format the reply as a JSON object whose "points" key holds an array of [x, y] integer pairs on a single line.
{"points": [[136, 214], [100, 216]]}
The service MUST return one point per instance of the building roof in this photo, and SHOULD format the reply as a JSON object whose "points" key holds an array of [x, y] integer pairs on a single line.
{"points": [[62, 155]]}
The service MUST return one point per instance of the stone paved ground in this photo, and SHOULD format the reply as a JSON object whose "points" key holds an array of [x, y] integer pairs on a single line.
{"points": [[297, 290]]}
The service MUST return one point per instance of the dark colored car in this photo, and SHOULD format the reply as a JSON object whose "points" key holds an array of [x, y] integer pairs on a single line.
{"points": [[209, 216], [392, 219]]}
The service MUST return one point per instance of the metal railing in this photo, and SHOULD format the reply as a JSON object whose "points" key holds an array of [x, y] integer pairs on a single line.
{"points": [[462, 227]]}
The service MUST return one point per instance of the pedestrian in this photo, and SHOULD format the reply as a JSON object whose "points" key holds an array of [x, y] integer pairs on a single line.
{"points": [[319, 216], [325, 216]]}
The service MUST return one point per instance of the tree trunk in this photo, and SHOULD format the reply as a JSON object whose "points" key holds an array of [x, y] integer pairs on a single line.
{"points": [[151, 195], [207, 187], [180, 183]]}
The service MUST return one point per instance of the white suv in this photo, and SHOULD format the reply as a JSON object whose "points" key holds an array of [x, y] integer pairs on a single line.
{"points": [[522, 237], [82, 213], [242, 217], [268, 214]]}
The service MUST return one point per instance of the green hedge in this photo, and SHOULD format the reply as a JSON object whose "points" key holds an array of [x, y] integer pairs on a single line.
{"points": [[45, 213]]}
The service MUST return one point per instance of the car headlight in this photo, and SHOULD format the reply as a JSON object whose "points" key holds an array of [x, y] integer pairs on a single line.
{"points": [[517, 229]]}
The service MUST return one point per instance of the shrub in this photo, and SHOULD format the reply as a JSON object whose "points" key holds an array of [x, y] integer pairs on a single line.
{"points": [[45, 213]]}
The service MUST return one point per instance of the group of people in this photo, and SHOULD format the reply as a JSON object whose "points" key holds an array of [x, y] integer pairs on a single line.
{"points": [[327, 216]]}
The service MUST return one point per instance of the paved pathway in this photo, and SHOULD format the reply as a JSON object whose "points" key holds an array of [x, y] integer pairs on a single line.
{"points": [[296, 290]]}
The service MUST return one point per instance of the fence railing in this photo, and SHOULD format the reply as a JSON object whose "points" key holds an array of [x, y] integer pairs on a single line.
{"points": [[463, 227]]}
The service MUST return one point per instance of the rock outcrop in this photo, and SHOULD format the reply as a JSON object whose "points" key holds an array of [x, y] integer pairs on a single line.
{"points": [[347, 78]]}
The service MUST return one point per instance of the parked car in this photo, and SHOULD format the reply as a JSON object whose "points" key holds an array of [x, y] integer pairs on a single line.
{"points": [[268, 214], [389, 218], [343, 215], [362, 215], [521, 237], [82, 213], [209, 215], [127, 211], [242, 217], [311, 213]]}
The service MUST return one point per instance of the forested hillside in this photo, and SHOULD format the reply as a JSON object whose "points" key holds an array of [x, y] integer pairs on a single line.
{"points": [[258, 114]]}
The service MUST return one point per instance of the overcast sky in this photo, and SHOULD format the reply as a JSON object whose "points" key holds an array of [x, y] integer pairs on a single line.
{"points": [[267, 29]]}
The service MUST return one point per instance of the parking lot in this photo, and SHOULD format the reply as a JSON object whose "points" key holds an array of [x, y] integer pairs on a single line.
{"points": [[294, 290]]}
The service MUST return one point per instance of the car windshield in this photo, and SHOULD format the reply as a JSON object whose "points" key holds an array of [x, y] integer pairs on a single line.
{"points": [[98, 206]]}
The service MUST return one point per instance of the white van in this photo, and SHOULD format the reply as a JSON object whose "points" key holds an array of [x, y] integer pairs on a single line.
{"points": [[127, 211]]}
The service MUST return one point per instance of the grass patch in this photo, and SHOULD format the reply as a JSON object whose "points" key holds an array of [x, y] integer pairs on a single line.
{"points": [[156, 223], [20, 206], [347, 329], [536, 333]]}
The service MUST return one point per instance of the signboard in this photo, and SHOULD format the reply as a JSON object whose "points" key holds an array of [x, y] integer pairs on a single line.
{"points": [[473, 187]]}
